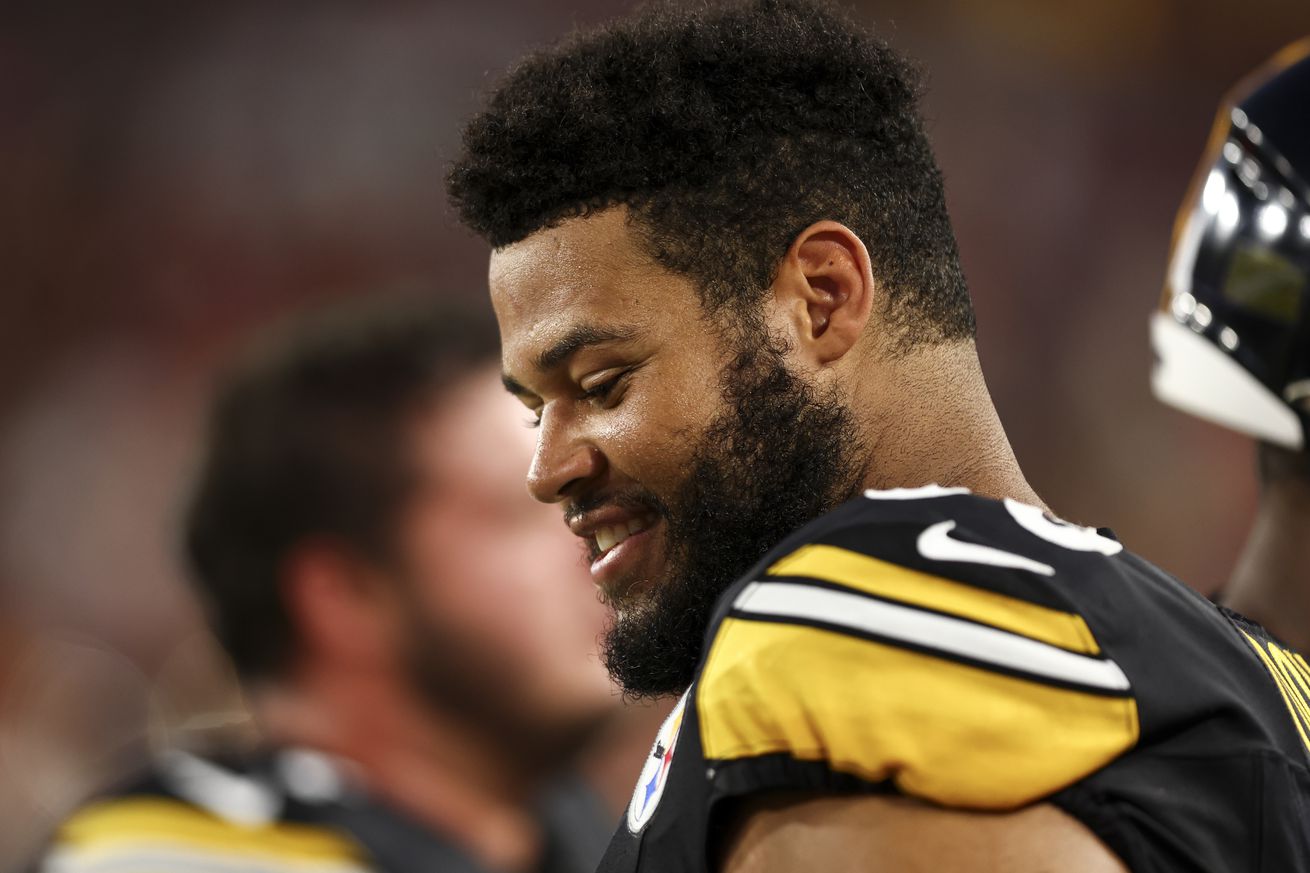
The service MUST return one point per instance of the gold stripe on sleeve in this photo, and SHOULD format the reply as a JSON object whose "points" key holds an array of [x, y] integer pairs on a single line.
{"points": [[159, 821], [940, 730], [882, 579]]}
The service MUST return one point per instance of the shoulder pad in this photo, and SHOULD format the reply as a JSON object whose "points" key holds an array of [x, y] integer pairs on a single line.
{"points": [[891, 649]]}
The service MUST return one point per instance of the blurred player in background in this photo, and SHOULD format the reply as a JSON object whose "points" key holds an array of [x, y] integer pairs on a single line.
{"points": [[1232, 337], [728, 289], [414, 635]]}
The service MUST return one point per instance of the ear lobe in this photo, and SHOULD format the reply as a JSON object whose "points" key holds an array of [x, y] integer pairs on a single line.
{"points": [[826, 282]]}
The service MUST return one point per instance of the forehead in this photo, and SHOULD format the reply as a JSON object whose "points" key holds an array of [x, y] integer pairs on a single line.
{"points": [[586, 271]]}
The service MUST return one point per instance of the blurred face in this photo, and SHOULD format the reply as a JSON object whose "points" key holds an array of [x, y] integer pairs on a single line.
{"points": [[503, 624], [680, 446]]}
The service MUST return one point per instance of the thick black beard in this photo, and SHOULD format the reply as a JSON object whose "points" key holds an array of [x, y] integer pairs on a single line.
{"points": [[777, 457]]}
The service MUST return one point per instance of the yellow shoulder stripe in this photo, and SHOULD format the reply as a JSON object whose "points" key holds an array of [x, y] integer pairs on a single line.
{"points": [[941, 730], [134, 821], [882, 579]]}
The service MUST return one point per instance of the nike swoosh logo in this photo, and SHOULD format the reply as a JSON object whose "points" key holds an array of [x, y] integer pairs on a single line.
{"points": [[937, 544]]}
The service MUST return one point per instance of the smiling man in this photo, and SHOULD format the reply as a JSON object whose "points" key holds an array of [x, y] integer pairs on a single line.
{"points": [[729, 292]]}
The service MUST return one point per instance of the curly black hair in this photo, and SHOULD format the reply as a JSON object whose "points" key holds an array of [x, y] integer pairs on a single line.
{"points": [[726, 130]]}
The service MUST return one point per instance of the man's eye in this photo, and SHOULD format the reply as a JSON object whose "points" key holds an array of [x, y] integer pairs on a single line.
{"points": [[535, 421], [601, 391]]}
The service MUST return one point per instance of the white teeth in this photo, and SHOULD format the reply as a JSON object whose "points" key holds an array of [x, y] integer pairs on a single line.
{"points": [[606, 539], [611, 535]]}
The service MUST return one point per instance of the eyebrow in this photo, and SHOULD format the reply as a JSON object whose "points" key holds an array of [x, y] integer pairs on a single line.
{"points": [[565, 347], [579, 338]]}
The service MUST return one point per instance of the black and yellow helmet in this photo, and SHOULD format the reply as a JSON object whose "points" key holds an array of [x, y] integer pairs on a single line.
{"points": [[1232, 334]]}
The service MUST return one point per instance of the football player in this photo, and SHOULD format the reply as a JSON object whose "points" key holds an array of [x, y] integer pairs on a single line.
{"points": [[729, 292], [413, 634], [1232, 336]]}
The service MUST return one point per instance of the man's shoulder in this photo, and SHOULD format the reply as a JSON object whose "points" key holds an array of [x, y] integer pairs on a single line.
{"points": [[928, 641], [937, 547], [982, 655], [190, 813]]}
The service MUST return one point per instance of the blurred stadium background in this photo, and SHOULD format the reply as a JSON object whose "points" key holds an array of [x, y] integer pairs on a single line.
{"points": [[172, 175]]}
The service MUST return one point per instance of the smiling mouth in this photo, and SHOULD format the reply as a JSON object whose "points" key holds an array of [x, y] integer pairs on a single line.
{"points": [[609, 536]]}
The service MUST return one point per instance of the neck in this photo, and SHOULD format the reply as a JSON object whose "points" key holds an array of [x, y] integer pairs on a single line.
{"points": [[1269, 581], [443, 773], [932, 421]]}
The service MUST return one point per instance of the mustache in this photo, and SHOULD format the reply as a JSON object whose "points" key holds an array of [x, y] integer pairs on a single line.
{"points": [[633, 499]]}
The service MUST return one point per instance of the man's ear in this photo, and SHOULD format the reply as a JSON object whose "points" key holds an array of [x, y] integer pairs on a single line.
{"points": [[337, 606], [825, 290]]}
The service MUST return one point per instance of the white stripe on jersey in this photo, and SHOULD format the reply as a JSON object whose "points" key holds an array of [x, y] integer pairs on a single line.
{"points": [[929, 630]]}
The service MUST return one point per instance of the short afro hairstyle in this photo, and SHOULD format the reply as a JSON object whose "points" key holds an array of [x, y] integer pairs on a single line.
{"points": [[726, 131], [309, 437]]}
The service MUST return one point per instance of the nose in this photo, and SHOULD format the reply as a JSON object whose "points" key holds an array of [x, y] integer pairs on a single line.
{"points": [[562, 461]]}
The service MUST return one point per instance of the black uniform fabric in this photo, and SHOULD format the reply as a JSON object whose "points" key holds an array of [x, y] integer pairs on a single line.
{"points": [[980, 654], [289, 809]]}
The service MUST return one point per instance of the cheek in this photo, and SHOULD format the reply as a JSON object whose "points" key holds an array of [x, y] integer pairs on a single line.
{"points": [[650, 437]]}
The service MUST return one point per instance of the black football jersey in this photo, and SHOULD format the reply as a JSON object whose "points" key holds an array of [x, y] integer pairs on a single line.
{"points": [[983, 655], [283, 811]]}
